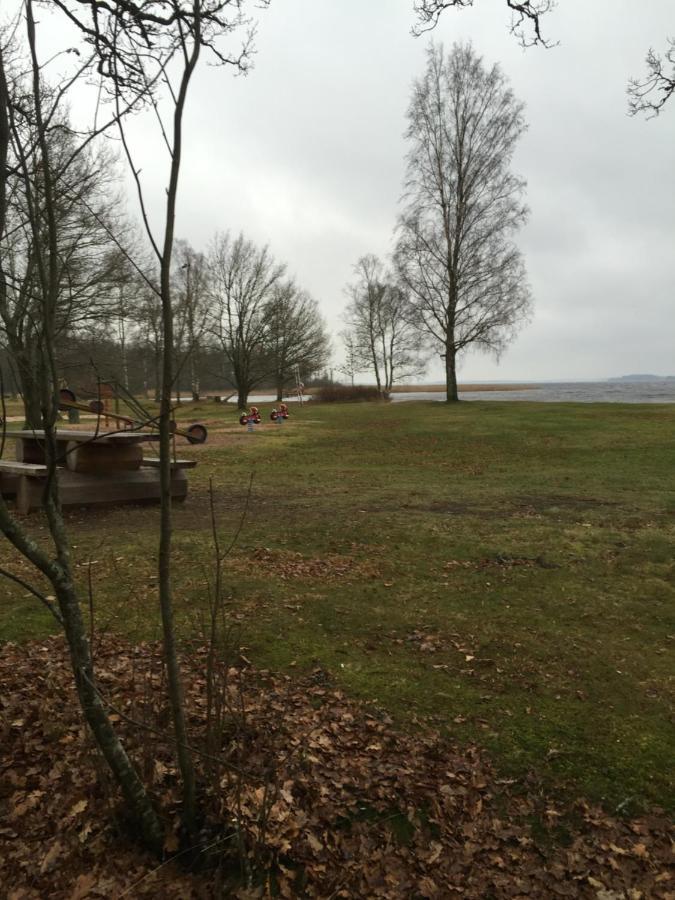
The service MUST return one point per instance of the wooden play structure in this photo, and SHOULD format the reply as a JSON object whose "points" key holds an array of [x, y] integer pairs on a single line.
{"points": [[99, 467], [100, 405]]}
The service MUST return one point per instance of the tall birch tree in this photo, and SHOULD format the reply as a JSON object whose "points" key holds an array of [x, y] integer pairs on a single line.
{"points": [[463, 207]]}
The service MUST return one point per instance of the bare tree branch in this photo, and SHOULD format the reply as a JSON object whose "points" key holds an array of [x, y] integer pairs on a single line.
{"points": [[652, 93], [526, 17], [31, 590]]}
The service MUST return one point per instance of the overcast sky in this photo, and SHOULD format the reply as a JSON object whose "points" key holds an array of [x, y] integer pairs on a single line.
{"points": [[306, 154]]}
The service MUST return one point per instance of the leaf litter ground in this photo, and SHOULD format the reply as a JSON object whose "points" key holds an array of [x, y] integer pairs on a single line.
{"points": [[323, 797]]}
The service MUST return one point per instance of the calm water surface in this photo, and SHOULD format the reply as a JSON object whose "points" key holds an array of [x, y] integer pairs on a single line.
{"points": [[559, 392], [569, 392]]}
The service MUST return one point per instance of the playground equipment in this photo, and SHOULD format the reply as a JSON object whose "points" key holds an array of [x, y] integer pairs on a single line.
{"points": [[299, 386], [251, 418], [279, 413], [111, 390]]}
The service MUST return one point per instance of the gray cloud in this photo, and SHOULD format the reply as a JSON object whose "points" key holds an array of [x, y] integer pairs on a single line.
{"points": [[307, 154]]}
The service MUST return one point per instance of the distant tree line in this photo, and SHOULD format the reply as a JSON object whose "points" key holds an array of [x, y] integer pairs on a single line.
{"points": [[240, 321], [80, 279]]}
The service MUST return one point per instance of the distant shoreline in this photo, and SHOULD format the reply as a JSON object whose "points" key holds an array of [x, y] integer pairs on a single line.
{"points": [[463, 388], [403, 389]]}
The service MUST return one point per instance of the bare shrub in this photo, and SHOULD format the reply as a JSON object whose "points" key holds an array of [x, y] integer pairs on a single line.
{"points": [[348, 393]]}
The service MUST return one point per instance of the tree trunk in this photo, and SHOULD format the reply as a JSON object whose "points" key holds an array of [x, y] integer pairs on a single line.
{"points": [[194, 378], [97, 719], [175, 688], [242, 398], [59, 575], [158, 376], [451, 374], [280, 390], [122, 331], [376, 368], [26, 367]]}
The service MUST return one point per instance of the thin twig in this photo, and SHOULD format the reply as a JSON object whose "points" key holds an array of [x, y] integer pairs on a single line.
{"points": [[217, 759], [31, 590]]}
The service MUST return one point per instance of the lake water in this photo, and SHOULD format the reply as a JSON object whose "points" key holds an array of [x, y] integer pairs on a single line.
{"points": [[558, 392], [569, 392]]}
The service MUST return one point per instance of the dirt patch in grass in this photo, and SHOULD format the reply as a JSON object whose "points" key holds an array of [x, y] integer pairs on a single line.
{"points": [[501, 561], [451, 508], [285, 564], [540, 502], [442, 507]]}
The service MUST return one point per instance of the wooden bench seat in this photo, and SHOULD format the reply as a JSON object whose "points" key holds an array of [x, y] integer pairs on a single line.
{"points": [[153, 463], [111, 475], [76, 489], [21, 480], [12, 467]]}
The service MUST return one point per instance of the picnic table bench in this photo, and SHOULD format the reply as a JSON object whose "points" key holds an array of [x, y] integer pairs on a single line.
{"points": [[15, 478], [93, 469], [153, 462]]}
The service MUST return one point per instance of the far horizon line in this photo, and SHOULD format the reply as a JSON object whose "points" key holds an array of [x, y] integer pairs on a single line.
{"points": [[588, 380]]}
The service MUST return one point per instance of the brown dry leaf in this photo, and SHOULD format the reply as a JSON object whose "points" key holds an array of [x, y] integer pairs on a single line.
{"points": [[427, 887], [78, 808], [618, 850], [314, 843], [83, 886], [436, 850], [171, 843], [51, 857]]}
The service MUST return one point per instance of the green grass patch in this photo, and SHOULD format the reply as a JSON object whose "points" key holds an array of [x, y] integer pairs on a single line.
{"points": [[503, 570]]}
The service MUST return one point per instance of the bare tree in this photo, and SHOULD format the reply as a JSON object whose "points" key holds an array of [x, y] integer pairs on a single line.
{"points": [[43, 226], [140, 51], [367, 296], [649, 94], [380, 319], [352, 364], [191, 277], [296, 338], [86, 215], [652, 93], [155, 47], [242, 279], [121, 319], [148, 335], [455, 252]]}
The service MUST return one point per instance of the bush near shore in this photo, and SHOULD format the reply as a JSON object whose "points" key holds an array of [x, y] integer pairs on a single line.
{"points": [[348, 393]]}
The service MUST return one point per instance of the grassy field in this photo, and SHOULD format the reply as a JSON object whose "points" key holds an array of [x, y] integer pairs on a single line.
{"points": [[504, 571]]}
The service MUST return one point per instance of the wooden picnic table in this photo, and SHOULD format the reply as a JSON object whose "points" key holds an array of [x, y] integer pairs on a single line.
{"points": [[93, 452], [93, 468], [75, 434]]}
